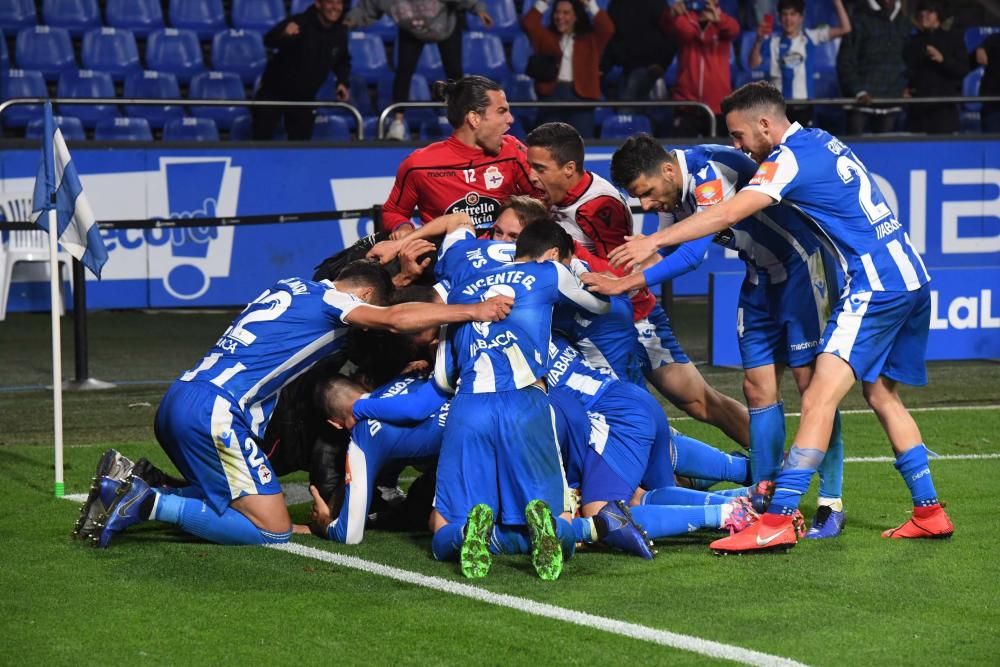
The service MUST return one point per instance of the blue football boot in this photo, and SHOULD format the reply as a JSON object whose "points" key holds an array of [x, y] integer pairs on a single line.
{"points": [[123, 511], [623, 531], [827, 522], [114, 466]]}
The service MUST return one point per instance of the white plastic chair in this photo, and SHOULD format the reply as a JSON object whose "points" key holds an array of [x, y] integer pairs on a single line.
{"points": [[28, 246]]}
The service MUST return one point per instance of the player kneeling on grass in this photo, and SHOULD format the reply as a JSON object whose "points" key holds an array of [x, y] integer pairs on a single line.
{"points": [[212, 418]]}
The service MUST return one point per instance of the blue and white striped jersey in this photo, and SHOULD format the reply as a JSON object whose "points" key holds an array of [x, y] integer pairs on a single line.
{"points": [[488, 357], [570, 372], [277, 337], [790, 61], [461, 254], [822, 177]]}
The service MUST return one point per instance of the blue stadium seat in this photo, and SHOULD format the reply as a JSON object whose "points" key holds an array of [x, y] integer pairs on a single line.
{"points": [[140, 16], [826, 84], [21, 83], [175, 51], [47, 50], [70, 126], [818, 12], [77, 16], [623, 125], [483, 53], [260, 15], [371, 123], [190, 129], [241, 52], [4, 56], [429, 64], [746, 42], [385, 29], [520, 51], [111, 50], [299, 6], [17, 14], [505, 20], [522, 89], [367, 56], [153, 85], [517, 129], [241, 129], [84, 83], [826, 55], [217, 86], [205, 17], [975, 36], [670, 76], [359, 99], [331, 128], [123, 129], [970, 88], [435, 129], [419, 92]]}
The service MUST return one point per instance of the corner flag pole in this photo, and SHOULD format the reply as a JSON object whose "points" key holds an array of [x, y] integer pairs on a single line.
{"points": [[60, 488]]}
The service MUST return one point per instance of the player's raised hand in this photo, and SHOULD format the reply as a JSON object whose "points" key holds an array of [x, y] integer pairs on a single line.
{"points": [[493, 309], [636, 249], [409, 258], [603, 283], [385, 251]]}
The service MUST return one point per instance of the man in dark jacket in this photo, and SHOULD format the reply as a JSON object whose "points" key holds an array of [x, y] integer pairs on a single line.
{"points": [[936, 62], [870, 64], [639, 46], [309, 46]]}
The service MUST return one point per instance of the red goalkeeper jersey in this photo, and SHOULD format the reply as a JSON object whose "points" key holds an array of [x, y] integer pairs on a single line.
{"points": [[448, 176]]}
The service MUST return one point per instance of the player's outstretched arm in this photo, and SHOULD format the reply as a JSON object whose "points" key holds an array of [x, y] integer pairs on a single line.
{"points": [[571, 290], [704, 223], [386, 251], [411, 317]]}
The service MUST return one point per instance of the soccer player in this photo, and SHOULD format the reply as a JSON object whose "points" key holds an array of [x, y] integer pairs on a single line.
{"points": [[212, 418], [473, 170], [784, 300], [878, 330], [500, 458], [594, 213]]}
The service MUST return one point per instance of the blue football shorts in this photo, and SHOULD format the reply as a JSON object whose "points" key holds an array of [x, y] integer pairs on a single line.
{"points": [[658, 340]]}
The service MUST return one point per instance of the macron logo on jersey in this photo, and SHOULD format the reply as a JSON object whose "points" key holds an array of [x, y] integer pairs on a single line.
{"points": [[765, 173]]}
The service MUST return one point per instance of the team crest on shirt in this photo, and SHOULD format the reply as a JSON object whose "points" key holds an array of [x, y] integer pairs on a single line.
{"points": [[493, 178], [708, 193], [765, 173], [263, 474], [483, 210]]}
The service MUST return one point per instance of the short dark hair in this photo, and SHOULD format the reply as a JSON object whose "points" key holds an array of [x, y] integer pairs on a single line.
{"points": [[640, 155], [582, 24], [539, 238], [335, 390], [528, 209], [756, 95], [470, 93], [936, 6], [367, 273], [797, 5], [413, 294], [560, 139]]}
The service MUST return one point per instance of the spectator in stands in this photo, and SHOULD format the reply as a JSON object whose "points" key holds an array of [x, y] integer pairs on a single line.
{"points": [[420, 22], [704, 35], [308, 47], [788, 58], [870, 65], [570, 48], [936, 63], [639, 46], [988, 56]]}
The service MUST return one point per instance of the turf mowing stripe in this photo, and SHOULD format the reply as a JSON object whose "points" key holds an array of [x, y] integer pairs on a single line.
{"points": [[867, 411], [631, 630]]}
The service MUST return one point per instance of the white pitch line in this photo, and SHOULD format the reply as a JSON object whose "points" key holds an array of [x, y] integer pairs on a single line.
{"points": [[634, 631], [939, 457]]}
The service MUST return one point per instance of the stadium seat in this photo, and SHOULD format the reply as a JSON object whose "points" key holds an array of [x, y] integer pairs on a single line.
{"points": [[175, 51], [826, 55], [522, 89], [17, 14], [819, 12], [84, 83], [520, 51], [241, 129], [123, 129], [385, 29], [241, 52], [70, 126], [111, 50], [359, 99], [435, 129], [299, 6], [204, 17], [371, 125], [217, 86], [623, 125], [331, 128], [77, 16], [505, 20], [44, 49], [260, 15], [367, 56], [670, 76], [483, 54], [419, 92], [190, 129], [970, 88], [429, 64], [22, 83], [154, 85], [975, 36], [140, 16]]}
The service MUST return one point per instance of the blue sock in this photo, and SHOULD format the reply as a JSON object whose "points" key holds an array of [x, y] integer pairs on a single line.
{"points": [[509, 540], [447, 541], [733, 493], [767, 441], [793, 480], [676, 495], [196, 517], [699, 460], [913, 466], [831, 471], [667, 520], [567, 537], [584, 530]]}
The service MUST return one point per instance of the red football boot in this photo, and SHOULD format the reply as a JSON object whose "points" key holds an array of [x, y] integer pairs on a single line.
{"points": [[774, 532], [927, 522]]}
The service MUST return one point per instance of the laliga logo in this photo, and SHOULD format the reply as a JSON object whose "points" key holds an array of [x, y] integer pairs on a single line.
{"points": [[965, 312]]}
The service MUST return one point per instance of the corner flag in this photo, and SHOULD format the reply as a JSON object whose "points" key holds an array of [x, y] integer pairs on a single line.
{"points": [[57, 187]]}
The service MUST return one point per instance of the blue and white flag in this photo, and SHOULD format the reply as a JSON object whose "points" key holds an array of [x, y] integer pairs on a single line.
{"points": [[57, 186]]}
